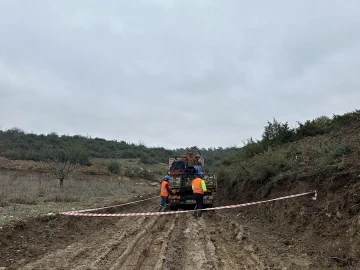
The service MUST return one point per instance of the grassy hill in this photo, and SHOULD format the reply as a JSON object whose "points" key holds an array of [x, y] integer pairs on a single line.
{"points": [[323, 155], [319, 144]]}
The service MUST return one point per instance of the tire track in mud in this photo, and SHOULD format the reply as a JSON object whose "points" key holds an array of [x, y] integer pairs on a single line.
{"points": [[233, 247], [162, 256], [191, 247], [247, 246], [211, 243], [83, 252], [94, 251], [144, 250], [112, 249]]}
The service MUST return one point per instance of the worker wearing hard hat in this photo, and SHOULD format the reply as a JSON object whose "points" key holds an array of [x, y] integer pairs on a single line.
{"points": [[164, 193], [199, 188]]}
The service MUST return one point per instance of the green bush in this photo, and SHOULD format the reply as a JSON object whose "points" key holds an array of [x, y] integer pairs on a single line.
{"points": [[146, 160], [318, 126], [114, 167], [129, 172], [332, 153], [270, 164], [226, 162], [277, 133], [340, 121], [145, 174]]}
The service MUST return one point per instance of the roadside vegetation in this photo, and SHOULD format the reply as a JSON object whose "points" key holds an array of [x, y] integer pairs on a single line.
{"points": [[313, 145]]}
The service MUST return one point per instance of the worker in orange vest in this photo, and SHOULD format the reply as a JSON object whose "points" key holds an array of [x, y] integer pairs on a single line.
{"points": [[164, 193], [199, 188]]}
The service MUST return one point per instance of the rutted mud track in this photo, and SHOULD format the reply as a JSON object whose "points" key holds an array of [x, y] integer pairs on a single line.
{"points": [[160, 242]]}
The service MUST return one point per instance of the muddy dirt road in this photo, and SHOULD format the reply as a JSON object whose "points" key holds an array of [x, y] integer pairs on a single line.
{"points": [[215, 241]]}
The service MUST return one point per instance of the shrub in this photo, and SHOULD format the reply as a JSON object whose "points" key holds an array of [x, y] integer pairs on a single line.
{"points": [[277, 133], [269, 164], [332, 153], [146, 175], [114, 167], [129, 172], [226, 162], [318, 126], [146, 160]]}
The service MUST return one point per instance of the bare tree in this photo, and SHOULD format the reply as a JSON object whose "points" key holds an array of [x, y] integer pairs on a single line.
{"points": [[62, 162], [61, 169]]}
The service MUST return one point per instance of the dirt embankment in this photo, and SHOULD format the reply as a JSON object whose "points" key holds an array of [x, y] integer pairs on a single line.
{"points": [[326, 230]]}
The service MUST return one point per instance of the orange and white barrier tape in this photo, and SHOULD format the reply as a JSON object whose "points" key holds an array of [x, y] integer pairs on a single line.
{"points": [[81, 213], [107, 207]]}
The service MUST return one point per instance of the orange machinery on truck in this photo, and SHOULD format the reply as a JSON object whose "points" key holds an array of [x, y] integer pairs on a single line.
{"points": [[181, 170]]}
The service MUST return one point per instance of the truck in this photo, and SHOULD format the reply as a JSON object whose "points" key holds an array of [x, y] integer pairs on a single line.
{"points": [[181, 171]]}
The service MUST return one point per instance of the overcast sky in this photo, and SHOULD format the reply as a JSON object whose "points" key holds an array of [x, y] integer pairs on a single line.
{"points": [[176, 73]]}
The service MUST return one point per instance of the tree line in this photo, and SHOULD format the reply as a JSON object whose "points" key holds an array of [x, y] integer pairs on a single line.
{"points": [[16, 144]]}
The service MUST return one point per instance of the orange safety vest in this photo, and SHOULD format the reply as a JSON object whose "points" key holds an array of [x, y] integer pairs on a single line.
{"points": [[164, 189], [197, 188]]}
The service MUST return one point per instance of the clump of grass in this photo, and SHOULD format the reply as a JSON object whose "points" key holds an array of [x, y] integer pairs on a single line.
{"points": [[114, 167], [23, 200], [62, 197]]}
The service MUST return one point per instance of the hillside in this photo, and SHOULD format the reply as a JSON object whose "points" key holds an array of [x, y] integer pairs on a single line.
{"points": [[16, 144], [324, 157]]}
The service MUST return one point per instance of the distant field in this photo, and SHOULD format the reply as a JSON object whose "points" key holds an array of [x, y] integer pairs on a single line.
{"points": [[25, 194]]}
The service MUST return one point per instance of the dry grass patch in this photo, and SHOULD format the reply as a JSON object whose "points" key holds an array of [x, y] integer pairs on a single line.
{"points": [[29, 194]]}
